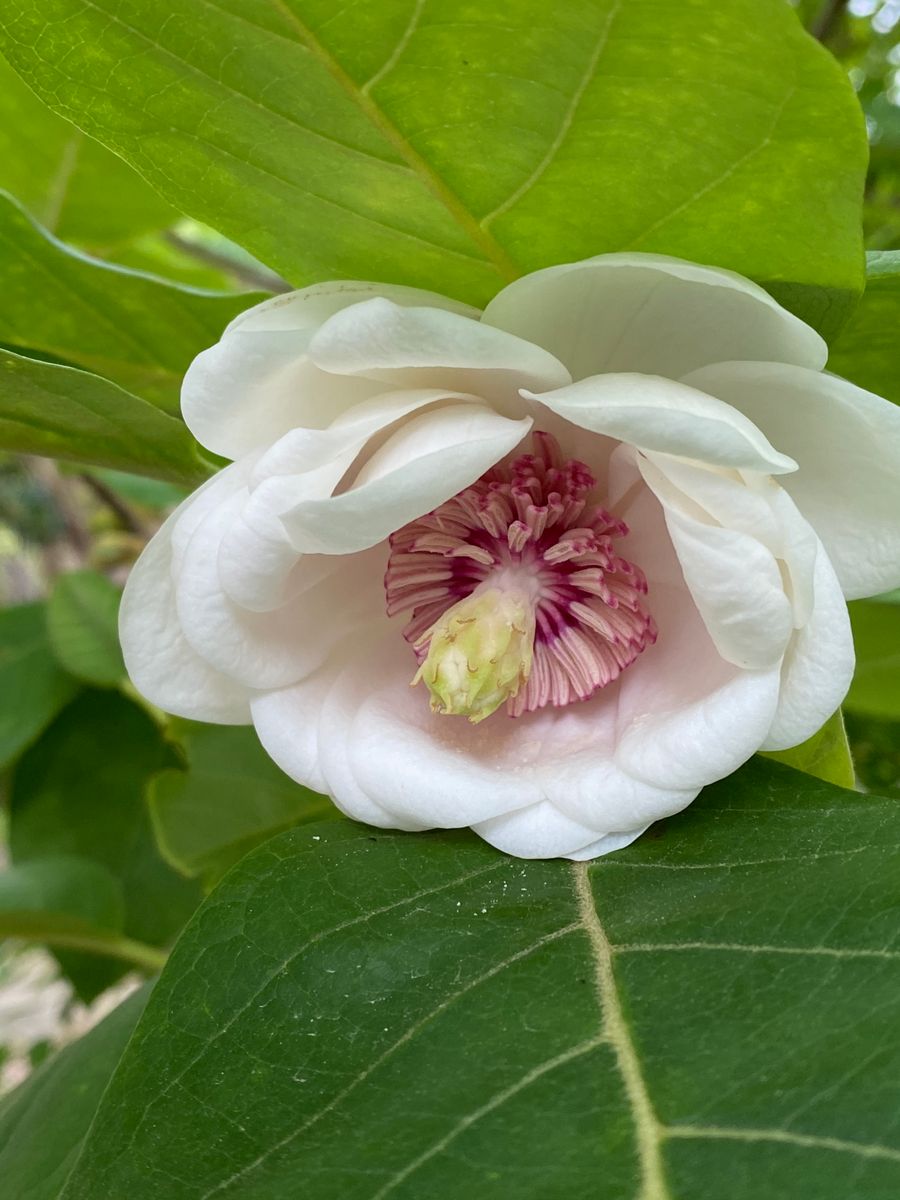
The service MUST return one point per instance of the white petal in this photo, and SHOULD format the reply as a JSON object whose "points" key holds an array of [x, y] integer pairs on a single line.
{"points": [[310, 307], [272, 649], [650, 313], [257, 558], [428, 460], [249, 389], [687, 717], [161, 663], [733, 576], [430, 347], [256, 383], [305, 729], [539, 831], [660, 414], [818, 665], [847, 442]]}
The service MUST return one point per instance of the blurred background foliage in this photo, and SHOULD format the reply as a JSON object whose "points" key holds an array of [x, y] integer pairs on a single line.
{"points": [[138, 815]]}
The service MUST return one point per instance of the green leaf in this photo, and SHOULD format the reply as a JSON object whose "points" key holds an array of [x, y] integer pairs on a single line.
{"points": [[876, 683], [67, 180], [826, 754], [64, 413], [32, 683], [80, 791], [714, 1011], [868, 350], [229, 797], [62, 899], [82, 620], [44, 1121], [138, 331], [455, 146]]}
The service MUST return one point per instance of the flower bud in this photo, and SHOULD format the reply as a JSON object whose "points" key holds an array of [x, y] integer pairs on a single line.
{"points": [[479, 653]]}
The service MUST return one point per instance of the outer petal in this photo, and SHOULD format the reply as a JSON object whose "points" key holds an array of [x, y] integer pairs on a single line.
{"points": [[818, 665], [847, 442], [161, 663], [430, 347], [650, 313], [271, 649], [257, 382], [257, 559], [660, 414], [430, 458]]}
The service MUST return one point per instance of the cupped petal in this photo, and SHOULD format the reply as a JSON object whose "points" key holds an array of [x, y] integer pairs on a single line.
{"points": [[305, 729], [539, 831], [161, 663], [431, 347], [687, 717], [308, 308], [257, 382], [733, 575], [660, 414], [650, 313], [818, 665], [272, 649], [847, 444], [257, 557], [429, 459]]}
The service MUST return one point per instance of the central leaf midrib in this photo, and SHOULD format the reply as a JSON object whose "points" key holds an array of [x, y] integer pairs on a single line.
{"points": [[489, 247], [648, 1131]]}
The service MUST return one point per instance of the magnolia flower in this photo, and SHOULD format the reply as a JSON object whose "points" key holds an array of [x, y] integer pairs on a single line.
{"points": [[606, 528]]}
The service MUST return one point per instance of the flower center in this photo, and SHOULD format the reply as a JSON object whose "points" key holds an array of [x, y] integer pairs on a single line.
{"points": [[516, 592]]}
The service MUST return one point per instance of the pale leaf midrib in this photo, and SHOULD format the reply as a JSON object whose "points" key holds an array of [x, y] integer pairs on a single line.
{"points": [[648, 1131], [489, 247]]}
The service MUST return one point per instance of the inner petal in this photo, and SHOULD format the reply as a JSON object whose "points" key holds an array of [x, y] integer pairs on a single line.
{"points": [[529, 530]]}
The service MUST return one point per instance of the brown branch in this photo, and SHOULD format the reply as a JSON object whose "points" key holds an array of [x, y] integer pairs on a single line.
{"points": [[254, 277], [827, 21]]}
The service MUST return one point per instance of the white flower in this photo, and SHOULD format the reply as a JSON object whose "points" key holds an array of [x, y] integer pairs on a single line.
{"points": [[699, 500]]}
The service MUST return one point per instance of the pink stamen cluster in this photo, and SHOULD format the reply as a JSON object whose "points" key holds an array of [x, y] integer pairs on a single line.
{"points": [[529, 525]]}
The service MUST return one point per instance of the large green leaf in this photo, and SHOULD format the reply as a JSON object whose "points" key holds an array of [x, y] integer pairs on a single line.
{"points": [[452, 145], [138, 331], [33, 685], [64, 413], [43, 1122], [876, 682], [354, 1014], [61, 899], [71, 183], [82, 620], [868, 349], [228, 797], [80, 790]]}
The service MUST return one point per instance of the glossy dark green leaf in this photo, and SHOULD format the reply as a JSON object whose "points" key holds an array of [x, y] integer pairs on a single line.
{"points": [[713, 1012], [876, 682], [868, 349], [138, 331], [64, 413], [456, 146], [82, 621], [43, 1122], [71, 183], [80, 791], [229, 797], [33, 685]]}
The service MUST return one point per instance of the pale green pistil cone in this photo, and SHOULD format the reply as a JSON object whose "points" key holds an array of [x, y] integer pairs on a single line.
{"points": [[480, 653]]}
